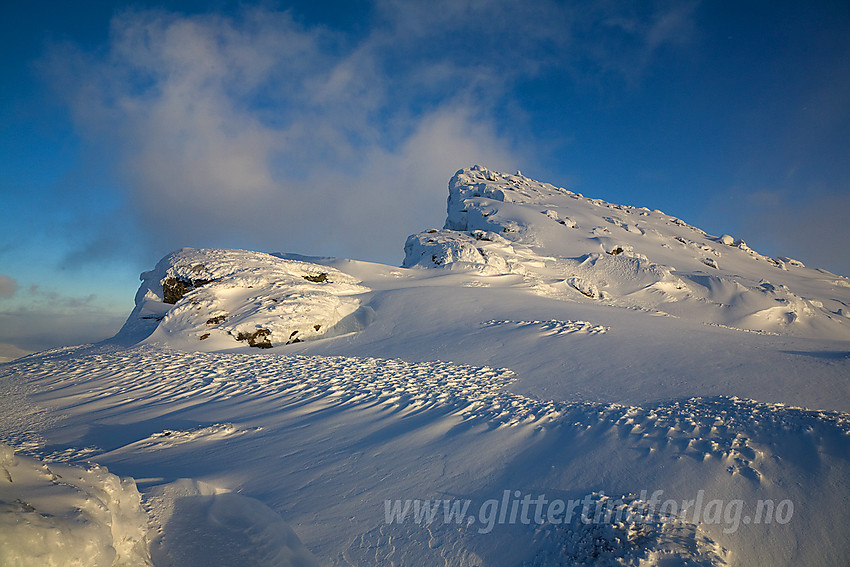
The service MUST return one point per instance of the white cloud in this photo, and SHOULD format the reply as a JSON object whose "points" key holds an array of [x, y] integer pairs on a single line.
{"points": [[256, 131]]}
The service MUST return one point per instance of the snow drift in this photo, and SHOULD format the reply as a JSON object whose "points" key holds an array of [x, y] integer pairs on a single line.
{"points": [[60, 515]]}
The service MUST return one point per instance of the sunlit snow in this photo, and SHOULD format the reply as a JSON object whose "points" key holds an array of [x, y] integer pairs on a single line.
{"points": [[542, 347]]}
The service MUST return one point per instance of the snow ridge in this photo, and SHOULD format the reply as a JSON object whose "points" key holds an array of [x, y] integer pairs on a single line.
{"points": [[68, 515], [575, 248]]}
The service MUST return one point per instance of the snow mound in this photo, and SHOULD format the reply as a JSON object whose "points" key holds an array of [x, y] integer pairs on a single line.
{"points": [[480, 250], [68, 515], [170, 438], [206, 526], [635, 534], [483, 250], [228, 297], [571, 247]]}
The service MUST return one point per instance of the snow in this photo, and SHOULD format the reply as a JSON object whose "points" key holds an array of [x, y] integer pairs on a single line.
{"points": [[541, 345], [639, 258], [204, 523], [234, 294], [68, 515]]}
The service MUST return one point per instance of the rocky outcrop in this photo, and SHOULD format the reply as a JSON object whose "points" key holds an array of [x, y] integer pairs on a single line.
{"points": [[259, 338], [173, 289], [572, 247], [224, 296]]}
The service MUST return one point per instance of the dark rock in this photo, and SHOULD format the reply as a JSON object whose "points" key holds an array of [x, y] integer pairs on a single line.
{"points": [[204, 336], [259, 338], [293, 338], [216, 320], [173, 289], [318, 278]]}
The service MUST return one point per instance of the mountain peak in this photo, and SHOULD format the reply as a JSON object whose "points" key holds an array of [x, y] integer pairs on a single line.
{"points": [[572, 247]]}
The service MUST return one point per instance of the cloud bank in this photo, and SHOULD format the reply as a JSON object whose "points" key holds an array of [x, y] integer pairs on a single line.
{"points": [[8, 286], [38, 318]]}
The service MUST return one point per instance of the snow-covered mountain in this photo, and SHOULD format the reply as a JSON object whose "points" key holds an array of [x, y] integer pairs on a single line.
{"points": [[567, 245], [562, 245], [542, 347]]}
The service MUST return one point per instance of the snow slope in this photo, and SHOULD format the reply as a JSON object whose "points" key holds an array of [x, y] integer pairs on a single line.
{"points": [[514, 356], [566, 244]]}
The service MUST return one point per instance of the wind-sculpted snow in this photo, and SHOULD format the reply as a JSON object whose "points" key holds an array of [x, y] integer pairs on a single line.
{"points": [[134, 379], [436, 403], [147, 373], [561, 245], [651, 540], [541, 343], [575, 248], [201, 520], [60, 515], [554, 327]]}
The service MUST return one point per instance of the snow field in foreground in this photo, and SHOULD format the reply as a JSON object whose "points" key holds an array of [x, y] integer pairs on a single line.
{"points": [[286, 428]]}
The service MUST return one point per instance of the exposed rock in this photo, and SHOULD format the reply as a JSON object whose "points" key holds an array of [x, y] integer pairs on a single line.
{"points": [[259, 338], [216, 320], [318, 278], [173, 289]]}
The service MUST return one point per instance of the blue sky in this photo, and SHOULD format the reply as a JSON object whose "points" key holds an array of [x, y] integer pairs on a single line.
{"points": [[332, 128]]}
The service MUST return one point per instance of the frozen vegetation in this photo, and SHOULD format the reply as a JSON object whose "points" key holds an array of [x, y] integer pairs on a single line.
{"points": [[549, 379]]}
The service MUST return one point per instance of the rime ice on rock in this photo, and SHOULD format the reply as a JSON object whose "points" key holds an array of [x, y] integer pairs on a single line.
{"points": [[230, 296]]}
